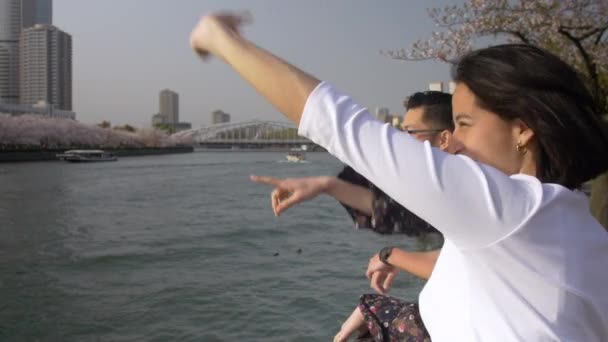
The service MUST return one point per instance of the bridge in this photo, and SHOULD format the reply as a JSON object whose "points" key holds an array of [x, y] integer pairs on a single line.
{"points": [[250, 134]]}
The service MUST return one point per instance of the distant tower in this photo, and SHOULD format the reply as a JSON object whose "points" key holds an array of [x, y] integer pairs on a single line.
{"points": [[169, 106], [451, 87], [396, 121], [35, 12], [45, 58], [383, 114], [218, 116], [10, 28], [436, 86]]}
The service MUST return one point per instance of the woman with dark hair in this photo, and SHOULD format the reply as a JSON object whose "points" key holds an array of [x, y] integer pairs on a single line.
{"points": [[523, 258]]}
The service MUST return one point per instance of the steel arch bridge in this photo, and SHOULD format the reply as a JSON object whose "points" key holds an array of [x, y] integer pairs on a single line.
{"points": [[253, 132]]}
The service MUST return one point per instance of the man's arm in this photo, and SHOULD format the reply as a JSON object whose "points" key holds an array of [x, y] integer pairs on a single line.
{"points": [[355, 196], [420, 264], [381, 275]]}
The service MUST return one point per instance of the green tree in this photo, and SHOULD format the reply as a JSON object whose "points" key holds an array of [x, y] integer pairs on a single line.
{"points": [[126, 128], [105, 124], [165, 127]]}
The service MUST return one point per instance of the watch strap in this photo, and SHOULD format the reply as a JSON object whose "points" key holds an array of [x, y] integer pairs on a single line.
{"points": [[384, 254]]}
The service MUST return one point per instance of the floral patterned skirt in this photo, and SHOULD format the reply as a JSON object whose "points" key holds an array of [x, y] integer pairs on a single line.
{"points": [[390, 320]]}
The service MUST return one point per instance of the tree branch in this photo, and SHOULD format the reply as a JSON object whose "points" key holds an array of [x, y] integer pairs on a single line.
{"points": [[600, 35], [517, 34], [589, 64], [592, 32]]}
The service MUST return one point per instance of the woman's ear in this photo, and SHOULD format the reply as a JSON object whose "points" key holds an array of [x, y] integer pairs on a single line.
{"points": [[524, 134]]}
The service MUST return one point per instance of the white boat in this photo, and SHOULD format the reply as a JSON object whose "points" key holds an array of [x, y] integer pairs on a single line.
{"points": [[86, 156], [296, 155]]}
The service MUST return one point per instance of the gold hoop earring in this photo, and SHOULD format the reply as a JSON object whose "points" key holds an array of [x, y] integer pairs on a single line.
{"points": [[520, 148]]}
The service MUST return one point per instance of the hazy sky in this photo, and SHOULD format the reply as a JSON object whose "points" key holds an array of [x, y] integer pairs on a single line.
{"points": [[126, 51]]}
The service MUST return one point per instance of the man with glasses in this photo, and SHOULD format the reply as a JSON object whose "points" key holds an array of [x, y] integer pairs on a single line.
{"points": [[428, 118]]}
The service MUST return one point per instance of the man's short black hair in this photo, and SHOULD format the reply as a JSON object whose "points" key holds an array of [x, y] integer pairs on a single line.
{"points": [[437, 107]]}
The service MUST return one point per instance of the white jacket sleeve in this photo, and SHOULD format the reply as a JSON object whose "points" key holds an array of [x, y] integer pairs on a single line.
{"points": [[472, 204]]}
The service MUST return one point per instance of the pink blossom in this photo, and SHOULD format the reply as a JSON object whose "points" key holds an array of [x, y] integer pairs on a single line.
{"points": [[575, 30], [37, 131]]}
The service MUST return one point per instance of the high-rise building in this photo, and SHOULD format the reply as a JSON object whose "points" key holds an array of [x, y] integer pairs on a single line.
{"points": [[436, 86], [218, 116], [45, 59], [158, 119], [168, 104], [396, 120], [451, 87], [14, 16], [383, 114], [35, 12], [10, 28], [10, 20]]}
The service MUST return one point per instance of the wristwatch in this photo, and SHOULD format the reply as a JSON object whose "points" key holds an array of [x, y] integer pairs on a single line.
{"points": [[384, 254]]}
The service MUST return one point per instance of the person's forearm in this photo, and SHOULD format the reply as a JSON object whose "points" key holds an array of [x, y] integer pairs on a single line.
{"points": [[283, 85], [355, 196], [420, 264]]}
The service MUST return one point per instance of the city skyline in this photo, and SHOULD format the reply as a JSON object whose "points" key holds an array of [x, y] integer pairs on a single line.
{"points": [[122, 58], [35, 60]]}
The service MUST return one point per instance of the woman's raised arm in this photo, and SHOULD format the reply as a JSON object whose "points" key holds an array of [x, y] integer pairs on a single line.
{"points": [[282, 84]]}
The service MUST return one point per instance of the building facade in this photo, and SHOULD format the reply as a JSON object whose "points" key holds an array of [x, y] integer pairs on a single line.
{"points": [[168, 104], [436, 86], [35, 12], [39, 109], [10, 29], [383, 114], [451, 87], [45, 58], [218, 117]]}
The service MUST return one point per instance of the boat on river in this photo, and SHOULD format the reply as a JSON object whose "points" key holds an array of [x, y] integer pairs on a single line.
{"points": [[296, 155], [83, 156]]}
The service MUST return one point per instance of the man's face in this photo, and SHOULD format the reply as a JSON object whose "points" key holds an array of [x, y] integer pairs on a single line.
{"points": [[414, 124]]}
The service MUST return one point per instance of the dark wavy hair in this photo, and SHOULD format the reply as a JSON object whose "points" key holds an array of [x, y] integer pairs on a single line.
{"points": [[517, 81]]}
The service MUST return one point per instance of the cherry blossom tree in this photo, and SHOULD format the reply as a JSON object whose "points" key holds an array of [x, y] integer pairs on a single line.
{"points": [[42, 132], [575, 30]]}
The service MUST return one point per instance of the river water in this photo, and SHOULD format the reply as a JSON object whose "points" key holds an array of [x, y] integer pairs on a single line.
{"points": [[177, 248]]}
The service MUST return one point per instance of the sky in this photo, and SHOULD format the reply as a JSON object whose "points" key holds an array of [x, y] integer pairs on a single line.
{"points": [[126, 51]]}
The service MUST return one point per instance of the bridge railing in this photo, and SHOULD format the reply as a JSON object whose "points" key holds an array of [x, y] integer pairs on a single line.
{"points": [[264, 132]]}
